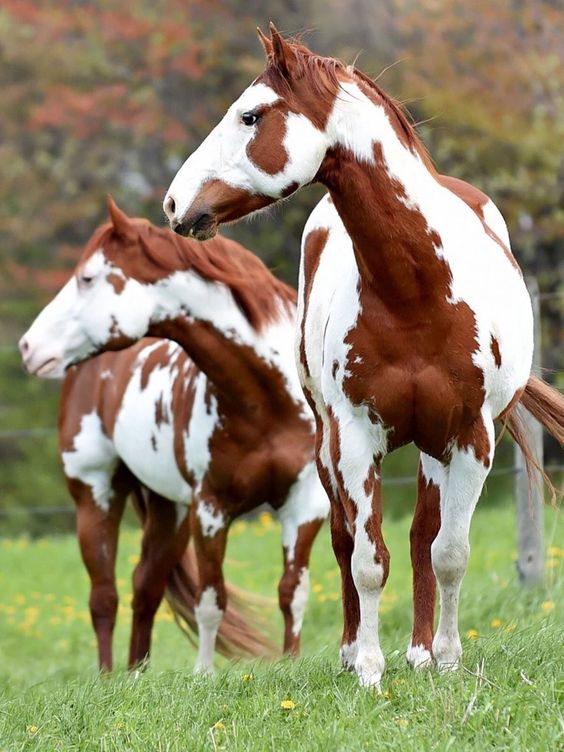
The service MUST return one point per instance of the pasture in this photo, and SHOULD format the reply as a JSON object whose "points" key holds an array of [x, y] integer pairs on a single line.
{"points": [[508, 696]]}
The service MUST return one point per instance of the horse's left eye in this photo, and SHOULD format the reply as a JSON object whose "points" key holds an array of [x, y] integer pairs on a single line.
{"points": [[85, 280], [249, 118]]}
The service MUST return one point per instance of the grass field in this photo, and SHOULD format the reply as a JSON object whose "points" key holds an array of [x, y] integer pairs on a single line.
{"points": [[507, 696]]}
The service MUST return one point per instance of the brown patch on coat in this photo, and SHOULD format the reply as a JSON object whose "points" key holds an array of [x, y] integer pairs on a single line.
{"points": [[417, 374], [494, 347], [424, 529], [161, 413], [156, 253], [266, 149], [116, 281]]}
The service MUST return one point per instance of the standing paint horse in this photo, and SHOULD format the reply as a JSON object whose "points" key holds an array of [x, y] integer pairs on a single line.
{"points": [[240, 435], [415, 322]]}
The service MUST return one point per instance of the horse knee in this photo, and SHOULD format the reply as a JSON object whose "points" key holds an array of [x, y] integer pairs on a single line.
{"points": [[449, 559], [103, 603], [369, 574]]}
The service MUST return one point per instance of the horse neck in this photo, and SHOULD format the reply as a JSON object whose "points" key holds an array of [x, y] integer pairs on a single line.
{"points": [[376, 179], [250, 369]]}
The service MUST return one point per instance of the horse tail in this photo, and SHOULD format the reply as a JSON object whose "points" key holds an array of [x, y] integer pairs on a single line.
{"points": [[546, 404], [241, 632]]}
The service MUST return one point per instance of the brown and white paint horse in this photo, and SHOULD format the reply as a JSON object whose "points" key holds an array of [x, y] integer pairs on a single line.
{"points": [[415, 322], [236, 433]]}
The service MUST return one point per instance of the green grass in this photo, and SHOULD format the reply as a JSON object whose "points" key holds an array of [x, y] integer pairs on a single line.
{"points": [[507, 696]]}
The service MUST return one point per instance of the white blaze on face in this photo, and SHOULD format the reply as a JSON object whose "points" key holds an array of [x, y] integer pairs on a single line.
{"points": [[223, 155]]}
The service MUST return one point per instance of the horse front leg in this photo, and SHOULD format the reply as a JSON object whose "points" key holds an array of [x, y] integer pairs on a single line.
{"points": [[353, 445], [424, 529], [165, 537], [210, 528]]}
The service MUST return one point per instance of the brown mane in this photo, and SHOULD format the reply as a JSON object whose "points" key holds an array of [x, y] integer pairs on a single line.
{"points": [[261, 297], [323, 80]]}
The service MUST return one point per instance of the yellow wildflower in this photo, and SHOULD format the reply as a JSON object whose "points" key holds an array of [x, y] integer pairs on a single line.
{"points": [[496, 623], [317, 588], [472, 634], [32, 729], [547, 606], [219, 726], [287, 704], [247, 677], [552, 563], [555, 551], [133, 559]]}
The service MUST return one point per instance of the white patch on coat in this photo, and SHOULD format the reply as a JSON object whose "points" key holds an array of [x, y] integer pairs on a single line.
{"points": [[306, 501], [106, 375], [418, 656], [433, 470], [93, 459], [223, 154], [211, 520], [201, 427], [299, 601], [479, 266], [208, 618], [146, 447]]}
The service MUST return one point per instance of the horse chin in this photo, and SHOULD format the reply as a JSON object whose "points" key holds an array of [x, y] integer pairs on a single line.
{"points": [[50, 369]]}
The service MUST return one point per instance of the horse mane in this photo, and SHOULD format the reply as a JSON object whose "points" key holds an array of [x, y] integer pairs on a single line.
{"points": [[261, 297], [322, 74]]}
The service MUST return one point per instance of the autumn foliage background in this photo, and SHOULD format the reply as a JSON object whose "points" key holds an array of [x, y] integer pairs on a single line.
{"points": [[110, 97]]}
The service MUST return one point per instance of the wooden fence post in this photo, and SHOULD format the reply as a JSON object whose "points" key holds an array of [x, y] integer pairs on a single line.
{"points": [[530, 498]]}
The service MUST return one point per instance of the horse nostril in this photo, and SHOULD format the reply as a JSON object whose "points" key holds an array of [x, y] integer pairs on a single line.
{"points": [[23, 345], [169, 207]]}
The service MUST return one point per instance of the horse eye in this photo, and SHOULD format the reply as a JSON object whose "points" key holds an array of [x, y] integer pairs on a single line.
{"points": [[84, 280], [249, 118]]}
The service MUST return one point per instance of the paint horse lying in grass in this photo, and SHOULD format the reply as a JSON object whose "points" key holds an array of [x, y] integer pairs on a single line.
{"points": [[227, 425], [415, 322]]}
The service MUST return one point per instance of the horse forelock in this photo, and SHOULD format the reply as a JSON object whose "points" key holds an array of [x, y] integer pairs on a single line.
{"points": [[261, 297]]}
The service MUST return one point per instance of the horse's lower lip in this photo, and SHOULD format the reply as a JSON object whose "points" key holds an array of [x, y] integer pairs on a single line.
{"points": [[46, 367]]}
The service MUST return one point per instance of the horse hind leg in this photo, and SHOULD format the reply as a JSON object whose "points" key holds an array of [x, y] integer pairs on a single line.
{"points": [[424, 529], [165, 536], [465, 476]]}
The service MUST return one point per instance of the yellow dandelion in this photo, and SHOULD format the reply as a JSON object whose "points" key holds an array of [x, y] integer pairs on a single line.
{"points": [[552, 563], [496, 623], [555, 551], [247, 677], [20, 599], [547, 606], [472, 634], [317, 588], [265, 519], [32, 729], [218, 726], [287, 704], [133, 559]]}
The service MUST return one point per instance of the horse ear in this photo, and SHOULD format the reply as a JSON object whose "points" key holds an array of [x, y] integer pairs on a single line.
{"points": [[282, 53], [123, 226], [265, 41]]}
